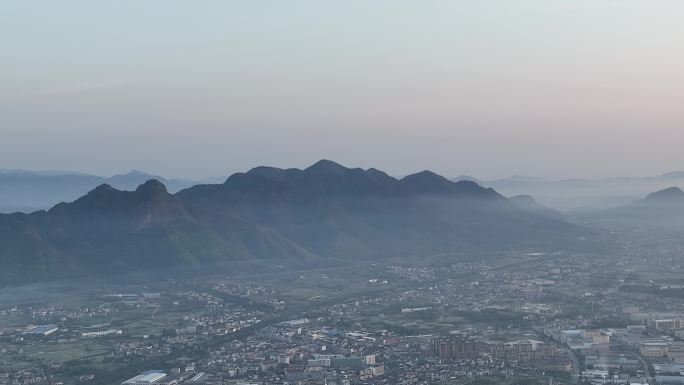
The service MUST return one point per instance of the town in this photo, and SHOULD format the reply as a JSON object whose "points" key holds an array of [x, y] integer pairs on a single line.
{"points": [[532, 318]]}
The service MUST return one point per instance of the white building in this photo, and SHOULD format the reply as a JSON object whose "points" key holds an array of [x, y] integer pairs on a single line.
{"points": [[145, 378], [101, 333]]}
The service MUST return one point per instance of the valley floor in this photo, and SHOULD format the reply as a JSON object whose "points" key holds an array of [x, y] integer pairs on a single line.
{"points": [[441, 319]]}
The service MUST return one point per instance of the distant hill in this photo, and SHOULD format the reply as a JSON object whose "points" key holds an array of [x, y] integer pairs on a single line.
{"points": [[668, 196], [584, 195], [673, 175], [326, 211], [662, 210], [135, 178], [466, 178], [27, 191]]}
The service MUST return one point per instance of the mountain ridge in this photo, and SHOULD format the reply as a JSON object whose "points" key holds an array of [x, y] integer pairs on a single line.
{"points": [[581, 196], [662, 209], [670, 194], [323, 211]]}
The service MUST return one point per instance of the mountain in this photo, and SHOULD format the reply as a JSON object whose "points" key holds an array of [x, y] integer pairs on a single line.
{"points": [[467, 178], [28, 191], [107, 230], [135, 178], [326, 211], [668, 196], [662, 210], [584, 195], [673, 175]]}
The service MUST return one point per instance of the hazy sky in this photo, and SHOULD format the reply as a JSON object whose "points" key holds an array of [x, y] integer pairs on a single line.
{"points": [[560, 88]]}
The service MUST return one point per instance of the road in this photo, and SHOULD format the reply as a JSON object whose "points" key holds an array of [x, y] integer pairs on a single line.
{"points": [[576, 370], [647, 367]]}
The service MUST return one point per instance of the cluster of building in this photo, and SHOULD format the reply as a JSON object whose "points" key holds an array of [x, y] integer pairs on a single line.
{"points": [[519, 352], [578, 339], [24, 377], [628, 355]]}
